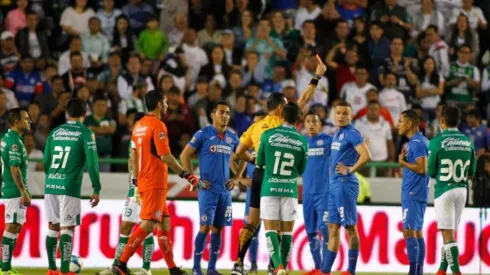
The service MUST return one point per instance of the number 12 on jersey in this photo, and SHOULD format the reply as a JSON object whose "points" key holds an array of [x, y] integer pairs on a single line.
{"points": [[283, 163]]}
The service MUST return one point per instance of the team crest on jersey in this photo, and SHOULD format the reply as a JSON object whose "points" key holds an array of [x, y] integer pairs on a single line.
{"points": [[229, 140], [161, 135], [15, 147], [193, 140], [204, 218], [341, 136], [212, 148], [319, 142], [158, 214]]}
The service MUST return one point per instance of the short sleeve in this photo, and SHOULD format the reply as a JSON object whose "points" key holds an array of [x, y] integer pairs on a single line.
{"points": [[160, 139], [66, 17], [354, 138], [388, 133], [196, 140], [419, 149], [246, 138], [14, 154], [476, 74]]}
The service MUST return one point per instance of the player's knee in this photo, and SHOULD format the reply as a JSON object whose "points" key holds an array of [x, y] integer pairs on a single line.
{"points": [[408, 233], [333, 229], [447, 235], [205, 229], [54, 227], [11, 228]]}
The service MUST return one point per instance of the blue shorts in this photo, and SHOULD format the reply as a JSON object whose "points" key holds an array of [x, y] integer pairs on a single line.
{"points": [[342, 204], [314, 209], [215, 209], [413, 214]]}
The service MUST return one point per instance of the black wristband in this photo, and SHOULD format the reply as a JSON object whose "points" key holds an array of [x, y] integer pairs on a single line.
{"points": [[314, 82], [184, 174], [317, 77]]}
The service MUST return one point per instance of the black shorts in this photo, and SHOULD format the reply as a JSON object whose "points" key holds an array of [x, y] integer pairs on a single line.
{"points": [[257, 178]]}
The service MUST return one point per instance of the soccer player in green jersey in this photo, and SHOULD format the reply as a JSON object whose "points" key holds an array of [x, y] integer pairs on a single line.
{"points": [[68, 148], [130, 217], [283, 154], [16, 197], [451, 160]]}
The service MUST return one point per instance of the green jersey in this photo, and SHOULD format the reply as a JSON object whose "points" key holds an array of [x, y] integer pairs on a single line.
{"points": [[451, 159], [131, 175], [68, 148], [462, 93], [283, 151], [104, 142], [14, 154]]}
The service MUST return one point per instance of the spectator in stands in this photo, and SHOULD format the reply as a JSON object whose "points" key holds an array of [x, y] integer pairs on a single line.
{"points": [[152, 42], [34, 111], [358, 35], [276, 84], [232, 91], [245, 30], [50, 70], [42, 132], [95, 44], [76, 76], [253, 90], [287, 34], [74, 20], [135, 102], [355, 92], [340, 40], [309, 41], [377, 134], [103, 127], [194, 53], [83, 93], [176, 33], [350, 9], [395, 19], [217, 68], [175, 65], [138, 13], [344, 69], [9, 56], [202, 108], [108, 77], [24, 81], [391, 98], [123, 38], [210, 34], [397, 64], [107, 15], [126, 80], [461, 33], [289, 91], [378, 48], [254, 70], [464, 79], [433, 127], [309, 11], [16, 18], [200, 92], [241, 119], [49, 101], [11, 99], [31, 40], [33, 153], [477, 131], [59, 117], [233, 55], [425, 16], [420, 112], [303, 77], [438, 49], [474, 14], [325, 22], [179, 120], [3, 114], [166, 82], [76, 45]]}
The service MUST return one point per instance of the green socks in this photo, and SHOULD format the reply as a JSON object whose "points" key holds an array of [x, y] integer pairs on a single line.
{"points": [[286, 247], [148, 247], [452, 256], [66, 246], [51, 248], [8, 245], [443, 266], [273, 247], [123, 240]]}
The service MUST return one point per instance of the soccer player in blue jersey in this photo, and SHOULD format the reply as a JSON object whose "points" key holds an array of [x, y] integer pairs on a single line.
{"points": [[415, 188], [214, 146], [348, 154], [315, 188]]}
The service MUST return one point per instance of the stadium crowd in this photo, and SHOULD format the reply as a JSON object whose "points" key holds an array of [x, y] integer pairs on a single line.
{"points": [[383, 56]]}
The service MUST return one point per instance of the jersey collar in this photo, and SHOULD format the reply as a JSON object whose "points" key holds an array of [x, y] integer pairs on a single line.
{"points": [[418, 134], [215, 131], [451, 130], [73, 122]]}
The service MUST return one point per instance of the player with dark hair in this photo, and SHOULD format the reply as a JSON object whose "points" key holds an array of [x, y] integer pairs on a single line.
{"points": [[15, 193], [452, 159], [214, 145], [68, 148], [152, 157], [349, 153], [415, 188]]}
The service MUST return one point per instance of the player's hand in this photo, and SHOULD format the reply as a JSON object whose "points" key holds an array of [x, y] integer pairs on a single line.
{"points": [[401, 156], [137, 197], [245, 182], [94, 200], [201, 184], [230, 183], [25, 199], [321, 68], [342, 169]]}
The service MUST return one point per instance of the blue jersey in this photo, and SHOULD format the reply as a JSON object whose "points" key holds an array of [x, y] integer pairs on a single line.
{"points": [[25, 86], [478, 135], [315, 177], [416, 186], [214, 153], [343, 150]]}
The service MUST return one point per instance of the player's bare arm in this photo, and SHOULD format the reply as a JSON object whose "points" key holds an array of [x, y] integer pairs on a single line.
{"points": [[237, 169], [17, 176], [364, 157], [309, 91], [177, 168], [243, 154], [419, 167]]}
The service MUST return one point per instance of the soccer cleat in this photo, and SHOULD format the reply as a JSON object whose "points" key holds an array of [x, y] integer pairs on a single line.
{"points": [[281, 272], [57, 272], [253, 269], [120, 269], [441, 272], [313, 272], [213, 272], [142, 271], [346, 273], [197, 272], [270, 270], [106, 271], [177, 271], [238, 270]]}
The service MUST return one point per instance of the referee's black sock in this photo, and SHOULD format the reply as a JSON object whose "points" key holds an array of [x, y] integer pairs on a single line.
{"points": [[246, 236]]}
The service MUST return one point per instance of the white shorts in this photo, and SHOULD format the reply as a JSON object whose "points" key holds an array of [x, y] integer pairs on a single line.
{"points": [[131, 211], [449, 208], [15, 212], [62, 209], [278, 208]]}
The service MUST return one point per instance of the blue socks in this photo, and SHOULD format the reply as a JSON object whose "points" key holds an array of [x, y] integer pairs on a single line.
{"points": [[328, 262], [199, 243], [413, 254], [421, 257], [324, 232], [214, 250], [254, 247], [353, 255], [315, 249]]}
